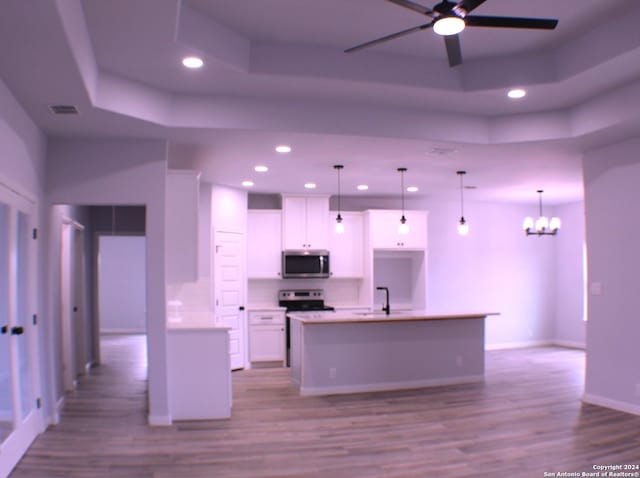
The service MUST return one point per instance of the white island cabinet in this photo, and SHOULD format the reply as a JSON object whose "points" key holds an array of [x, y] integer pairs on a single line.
{"points": [[350, 352], [198, 372], [305, 222]]}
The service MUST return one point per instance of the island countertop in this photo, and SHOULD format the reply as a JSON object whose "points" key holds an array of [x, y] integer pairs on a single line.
{"points": [[378, 316]]}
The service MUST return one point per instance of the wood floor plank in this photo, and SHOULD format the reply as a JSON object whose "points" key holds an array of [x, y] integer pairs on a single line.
{"points": [[525, 419]]}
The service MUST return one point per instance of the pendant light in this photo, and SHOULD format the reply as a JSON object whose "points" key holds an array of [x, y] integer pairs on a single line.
{"points": [[403, 228], [339, 224], [463, 226], [543, 227]]}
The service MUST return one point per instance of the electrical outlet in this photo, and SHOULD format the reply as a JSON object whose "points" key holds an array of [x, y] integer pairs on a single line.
{"points": [[332, 373], [459, 361]]}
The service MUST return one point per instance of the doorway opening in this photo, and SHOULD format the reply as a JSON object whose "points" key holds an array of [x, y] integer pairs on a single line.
{"points": [[103, 283]]}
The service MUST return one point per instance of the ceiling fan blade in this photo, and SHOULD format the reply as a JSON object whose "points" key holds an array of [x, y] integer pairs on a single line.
{"points": [[413, 6], [388, 37], [454, 53], [511, 22], [469, 5]]}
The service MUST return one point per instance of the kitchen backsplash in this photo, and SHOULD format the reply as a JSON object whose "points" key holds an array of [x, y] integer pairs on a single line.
{"points": [[337, 292]]}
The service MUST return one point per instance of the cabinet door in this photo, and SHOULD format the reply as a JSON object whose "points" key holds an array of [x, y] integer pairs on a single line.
{"points": [[317, 223], [383, 230], [266, 343], [264, 244], [181, 240], [417, 237], [304, 222], [346, 250], [294, 223]]}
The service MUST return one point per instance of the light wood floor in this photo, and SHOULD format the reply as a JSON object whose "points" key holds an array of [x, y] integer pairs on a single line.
{"points": [[525, 419]]}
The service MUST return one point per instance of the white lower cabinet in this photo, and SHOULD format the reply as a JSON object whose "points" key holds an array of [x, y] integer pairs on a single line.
{"points": [[267, 336], [199, 373]]}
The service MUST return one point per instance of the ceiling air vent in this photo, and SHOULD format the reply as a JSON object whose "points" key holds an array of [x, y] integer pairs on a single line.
{"points": [[64, 109]]}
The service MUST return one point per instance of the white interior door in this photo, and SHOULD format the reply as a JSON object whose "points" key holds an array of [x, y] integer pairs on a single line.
{"points": [[229, 280], [20, 412]]}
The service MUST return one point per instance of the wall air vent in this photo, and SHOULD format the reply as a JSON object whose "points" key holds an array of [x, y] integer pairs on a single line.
{"points": [[64, 109]]}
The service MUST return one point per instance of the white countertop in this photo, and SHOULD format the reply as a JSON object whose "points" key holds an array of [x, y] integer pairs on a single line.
{"points": [[368, 317]]}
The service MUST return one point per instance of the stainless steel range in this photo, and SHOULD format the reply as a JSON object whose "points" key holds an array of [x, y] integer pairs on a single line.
{"points": [[300, 301]]}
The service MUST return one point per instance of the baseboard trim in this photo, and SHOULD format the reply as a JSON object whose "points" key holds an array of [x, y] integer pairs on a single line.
{"points": [[600, 401], [389, 386], [517, 345], [159, 420], [122, 331], [570, 344]]}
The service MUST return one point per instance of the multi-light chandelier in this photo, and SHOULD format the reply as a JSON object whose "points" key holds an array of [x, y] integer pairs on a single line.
{"points": [[542, 226]]}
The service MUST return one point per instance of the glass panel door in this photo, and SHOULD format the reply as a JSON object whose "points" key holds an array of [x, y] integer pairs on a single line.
{"points": [[6, 382], [23, 316]]}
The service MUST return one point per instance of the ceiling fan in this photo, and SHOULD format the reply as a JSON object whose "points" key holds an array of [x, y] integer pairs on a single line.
{"points": [[449, 19]]}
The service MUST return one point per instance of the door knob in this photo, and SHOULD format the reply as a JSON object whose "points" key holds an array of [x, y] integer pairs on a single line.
{"points": [[4, 329], [17, 330], [241, 308]]}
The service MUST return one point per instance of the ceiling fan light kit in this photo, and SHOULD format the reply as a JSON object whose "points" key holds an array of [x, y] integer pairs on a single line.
{"points": [[450, 25], [449, 18]]}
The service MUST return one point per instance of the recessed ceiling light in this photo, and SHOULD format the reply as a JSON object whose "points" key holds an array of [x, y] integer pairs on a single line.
{"points": [[283, 148], [310, 185], [261, 169], [247, 184], [412, 189], [362, 187], [516, 93], [192, 62]]}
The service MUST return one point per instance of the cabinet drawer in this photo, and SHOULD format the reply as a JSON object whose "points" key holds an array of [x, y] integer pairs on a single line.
{"points": [[266, 317]]}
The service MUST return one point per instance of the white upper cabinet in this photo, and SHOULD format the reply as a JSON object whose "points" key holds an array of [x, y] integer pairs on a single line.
{"points": [[305, 222], [383, 229], [264, 243], [346, 250], [181, 226]]}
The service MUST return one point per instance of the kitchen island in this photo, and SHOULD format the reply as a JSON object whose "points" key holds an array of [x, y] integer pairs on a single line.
{"points": [[348, 352]]}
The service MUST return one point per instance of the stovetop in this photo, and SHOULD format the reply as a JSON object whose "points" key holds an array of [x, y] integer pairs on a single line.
{"points": [[303, 300]]}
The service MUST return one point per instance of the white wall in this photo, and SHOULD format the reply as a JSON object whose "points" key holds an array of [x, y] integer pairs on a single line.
{"points": [[132, 173], [122, 284], [496, 268], [570, 328], [613, 329]]}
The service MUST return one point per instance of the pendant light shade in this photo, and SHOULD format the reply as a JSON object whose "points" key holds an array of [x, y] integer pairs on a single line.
{"points": [[403, 228], [339, 223], [463, 226], [542, 226]]}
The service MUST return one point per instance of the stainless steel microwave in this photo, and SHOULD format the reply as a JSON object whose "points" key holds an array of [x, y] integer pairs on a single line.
{"points": [[305, 264]]}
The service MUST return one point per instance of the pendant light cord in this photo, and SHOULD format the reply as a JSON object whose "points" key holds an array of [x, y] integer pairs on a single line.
{"points": [[540, 191], [461, 195], [339, 193], [402, 171]]}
